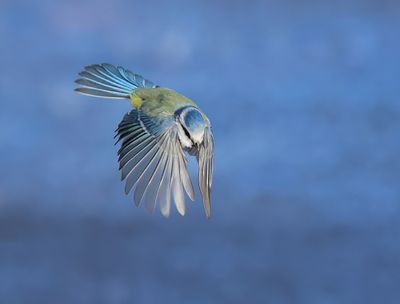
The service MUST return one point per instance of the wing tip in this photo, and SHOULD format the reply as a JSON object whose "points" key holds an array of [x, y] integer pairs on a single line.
{"points": [[207, 206], [164, 212], [208, 212], [181, 211]]}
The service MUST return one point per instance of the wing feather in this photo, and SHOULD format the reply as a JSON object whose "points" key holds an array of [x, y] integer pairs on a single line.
{"points": [[152, 162], [205, 159], [146, 177], [183, 173], [164, 192], [137, 166], [106, 80], [151, 191]]}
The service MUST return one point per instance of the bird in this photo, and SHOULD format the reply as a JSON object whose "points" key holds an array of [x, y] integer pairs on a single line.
{"points": [[156, 136]]}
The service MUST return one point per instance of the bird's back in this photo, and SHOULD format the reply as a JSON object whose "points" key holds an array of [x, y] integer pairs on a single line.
{"points": [[159, 102]]}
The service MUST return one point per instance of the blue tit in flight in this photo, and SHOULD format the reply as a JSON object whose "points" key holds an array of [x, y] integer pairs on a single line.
{"points": [[155, 137]]}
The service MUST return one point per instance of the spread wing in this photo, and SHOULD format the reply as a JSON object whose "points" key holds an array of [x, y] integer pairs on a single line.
{"points": [[205, 158], [152, 162], [108, 81]]}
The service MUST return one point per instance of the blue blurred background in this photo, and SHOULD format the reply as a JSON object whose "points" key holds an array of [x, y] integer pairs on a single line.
{"points": [[303, 97]]}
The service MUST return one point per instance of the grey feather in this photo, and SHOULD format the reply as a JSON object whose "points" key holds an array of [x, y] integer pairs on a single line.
{"points": [[145, 179], [135, 167], [205, 158], [164, 189], [183, 172], [151, 190]]}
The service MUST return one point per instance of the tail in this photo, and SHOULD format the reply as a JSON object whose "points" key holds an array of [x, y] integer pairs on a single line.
{"points": [[108, 81]]}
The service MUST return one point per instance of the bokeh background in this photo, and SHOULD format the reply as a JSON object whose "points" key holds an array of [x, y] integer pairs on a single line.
{"points": [[304, 101]]}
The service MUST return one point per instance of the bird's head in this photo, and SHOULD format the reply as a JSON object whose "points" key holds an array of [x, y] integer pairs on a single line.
{"points": [[191, 125]]}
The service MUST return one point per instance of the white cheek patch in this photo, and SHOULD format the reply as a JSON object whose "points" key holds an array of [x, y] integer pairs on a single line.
{"points": [[198, 137]]}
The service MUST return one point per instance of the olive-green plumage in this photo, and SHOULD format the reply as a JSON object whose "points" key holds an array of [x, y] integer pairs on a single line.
{"points": [[155, 135], [161, 102]]}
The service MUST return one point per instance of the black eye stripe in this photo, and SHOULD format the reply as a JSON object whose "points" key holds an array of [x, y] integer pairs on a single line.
{"points": [[186, 133]]}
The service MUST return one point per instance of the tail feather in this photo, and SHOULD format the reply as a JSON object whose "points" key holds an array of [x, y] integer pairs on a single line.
{"points": [[106, 80]]}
